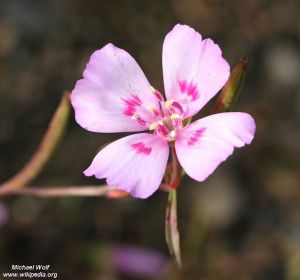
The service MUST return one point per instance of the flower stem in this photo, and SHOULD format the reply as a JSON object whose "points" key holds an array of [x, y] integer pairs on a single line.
{"points": [[171, 228], [62, 191], [42, 155], [176, 170]]}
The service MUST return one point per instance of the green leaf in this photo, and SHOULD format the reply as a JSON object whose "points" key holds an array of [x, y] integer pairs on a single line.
{"points": [[171, 229], [232, 88]]}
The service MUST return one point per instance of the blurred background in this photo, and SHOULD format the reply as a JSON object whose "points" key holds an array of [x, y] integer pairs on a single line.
{"points": [[242, 223]]}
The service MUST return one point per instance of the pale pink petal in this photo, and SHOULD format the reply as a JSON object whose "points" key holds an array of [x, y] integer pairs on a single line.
{"points": [[194, 69], [205, 143], [135, 164], [114, 93]]}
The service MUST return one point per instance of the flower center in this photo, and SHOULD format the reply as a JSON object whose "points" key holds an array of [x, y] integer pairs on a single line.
{"points": [[170, 120], [167, 119]]}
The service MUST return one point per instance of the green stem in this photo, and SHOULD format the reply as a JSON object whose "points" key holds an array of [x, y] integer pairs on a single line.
{"points": [[171, 227]]}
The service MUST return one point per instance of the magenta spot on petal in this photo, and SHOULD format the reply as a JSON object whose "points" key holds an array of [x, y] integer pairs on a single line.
{"points": [[131, 105], [141, 148], [195, 136], [182, 85], [189, 89]]}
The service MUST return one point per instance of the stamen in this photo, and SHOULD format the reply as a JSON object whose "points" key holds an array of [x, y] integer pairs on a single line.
{"points": [[178, 107], [152, 110], [161, 110], [154, 125], [168, 104], [177, 123], [163, 130], [141, 121], [157, 94], [173, 133], [138, 119], [135, 116], [175, 117]]}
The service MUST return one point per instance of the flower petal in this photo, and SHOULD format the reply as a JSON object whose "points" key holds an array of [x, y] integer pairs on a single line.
{"points": [[135, 164], [206, 143], [194, 69], [114, 93]]}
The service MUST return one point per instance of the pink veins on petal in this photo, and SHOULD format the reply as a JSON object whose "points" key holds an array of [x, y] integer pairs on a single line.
{"points": [[195, 136], [131, 105], [189, 89], [141, 148]]}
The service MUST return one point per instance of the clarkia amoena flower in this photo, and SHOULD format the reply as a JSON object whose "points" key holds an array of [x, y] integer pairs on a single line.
{"points": [[115, 96]]}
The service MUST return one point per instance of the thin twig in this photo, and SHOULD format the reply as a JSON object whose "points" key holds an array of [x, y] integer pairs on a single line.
{"points": [[45, 150], [61, 191]]}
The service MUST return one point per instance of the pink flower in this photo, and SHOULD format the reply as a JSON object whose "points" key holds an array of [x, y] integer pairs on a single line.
{"points": [[115, 96]]}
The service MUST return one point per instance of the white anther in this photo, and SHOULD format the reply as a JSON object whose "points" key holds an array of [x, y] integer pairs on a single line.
{"points": [[175, 117], [153, 125], [168, 104], [173, 133], [135, 116], [151, 109]]}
